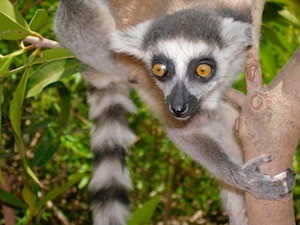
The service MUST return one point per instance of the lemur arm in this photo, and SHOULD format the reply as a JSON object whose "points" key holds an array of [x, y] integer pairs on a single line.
{"points": [[84, 27], [212, 156]]}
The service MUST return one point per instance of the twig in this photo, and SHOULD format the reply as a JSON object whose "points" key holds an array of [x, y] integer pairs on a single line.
{"points": [[59, 215], [253, 70], [235, 96], [42, 43]]}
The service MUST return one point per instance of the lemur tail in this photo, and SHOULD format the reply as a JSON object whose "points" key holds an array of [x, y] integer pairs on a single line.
{"points": [[110, 139], [84, 27]]}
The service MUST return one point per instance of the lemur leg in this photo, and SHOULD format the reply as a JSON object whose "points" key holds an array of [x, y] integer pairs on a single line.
{"points": [[234, 203]]}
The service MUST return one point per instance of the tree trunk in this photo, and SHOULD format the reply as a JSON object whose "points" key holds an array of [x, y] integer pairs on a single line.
{"points": [[270, 124]]}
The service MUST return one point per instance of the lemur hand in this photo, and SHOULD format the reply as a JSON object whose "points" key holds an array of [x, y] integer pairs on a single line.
{"points": [[264, 186]]}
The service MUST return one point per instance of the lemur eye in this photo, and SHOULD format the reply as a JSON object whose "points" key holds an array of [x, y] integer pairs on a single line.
{"points": [[203, 70], [159, 70]]}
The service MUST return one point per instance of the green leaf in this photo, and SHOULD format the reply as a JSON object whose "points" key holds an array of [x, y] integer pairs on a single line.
{"points": [[13, 26], [50, 55], [143, 215], [1, 146], [84, 182], [275, 39], [22, 153], [5, 64], [290, 17], [65, 104], [51, 73], [16, 106], [58, 191], [12, 199], [39, 20], [15, 115], [268, 61], [29, 197], [1, 101], [43, 154], [47, 56], [292, 4]]}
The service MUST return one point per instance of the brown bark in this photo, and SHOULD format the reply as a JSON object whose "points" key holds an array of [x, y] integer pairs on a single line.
{"points": [[8, 211], [270, 124]]}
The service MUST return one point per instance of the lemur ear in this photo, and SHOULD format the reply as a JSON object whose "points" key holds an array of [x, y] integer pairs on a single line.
{"points": [[130, 41], [236, 34]]}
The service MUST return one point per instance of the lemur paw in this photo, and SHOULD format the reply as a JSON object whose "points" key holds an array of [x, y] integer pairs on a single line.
{"points": [[253, 164], [264, 186]]}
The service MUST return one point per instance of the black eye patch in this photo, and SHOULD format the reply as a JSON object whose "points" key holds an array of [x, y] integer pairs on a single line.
{"points": [[194, 65], [163, 62]]}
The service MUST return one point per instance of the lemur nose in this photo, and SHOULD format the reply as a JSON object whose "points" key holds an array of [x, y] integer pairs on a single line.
{"points": [[179, 110]]}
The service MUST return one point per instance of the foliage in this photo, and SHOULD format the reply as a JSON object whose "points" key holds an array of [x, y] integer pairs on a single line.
{"points": [[44, 133]]}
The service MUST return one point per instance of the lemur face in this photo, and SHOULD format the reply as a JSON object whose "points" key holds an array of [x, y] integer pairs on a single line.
{"points": [[192, 55], [186, 72]]}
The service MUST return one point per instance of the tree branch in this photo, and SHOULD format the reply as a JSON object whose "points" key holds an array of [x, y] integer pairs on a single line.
{"points": [[270, 124], [235, 96], [253, 70], [40, 43]]}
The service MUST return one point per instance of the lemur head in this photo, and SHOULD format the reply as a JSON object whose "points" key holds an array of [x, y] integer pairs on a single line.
{"points": [[192, 55]]}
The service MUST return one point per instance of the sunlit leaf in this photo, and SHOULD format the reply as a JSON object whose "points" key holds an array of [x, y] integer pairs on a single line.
{"points": [[144, 214], [84, 182], [15, 114], [53, 55], [5, 64], [29, 197], [22, 153], [290, 17], [16, 106], [268, 61], [292, 4], [272, 36], [47, 56], [12, 26], [39, 20], [51, 73], [12, 199]]}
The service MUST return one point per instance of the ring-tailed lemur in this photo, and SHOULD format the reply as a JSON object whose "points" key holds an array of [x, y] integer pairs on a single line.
{"points": [[185, 54]]}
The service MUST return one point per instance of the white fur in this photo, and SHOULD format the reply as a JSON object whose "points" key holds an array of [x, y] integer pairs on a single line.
{"points": [[99, 103], [111, 134], [181, 51], [110, 171], [114, 210], [221, 129], [234, 201], [102, 80], [236, 34], [130, 41]]}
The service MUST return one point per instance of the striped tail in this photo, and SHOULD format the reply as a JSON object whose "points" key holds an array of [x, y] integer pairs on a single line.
{"points": [[110, 140]]}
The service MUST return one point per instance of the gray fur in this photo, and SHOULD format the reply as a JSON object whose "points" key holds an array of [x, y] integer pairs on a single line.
{"points": [[191, 24], [184, 37], [202, 148]]}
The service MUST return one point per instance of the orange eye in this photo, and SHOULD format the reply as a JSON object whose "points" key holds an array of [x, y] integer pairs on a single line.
{"points": [[159, 69], [204, 70]]}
